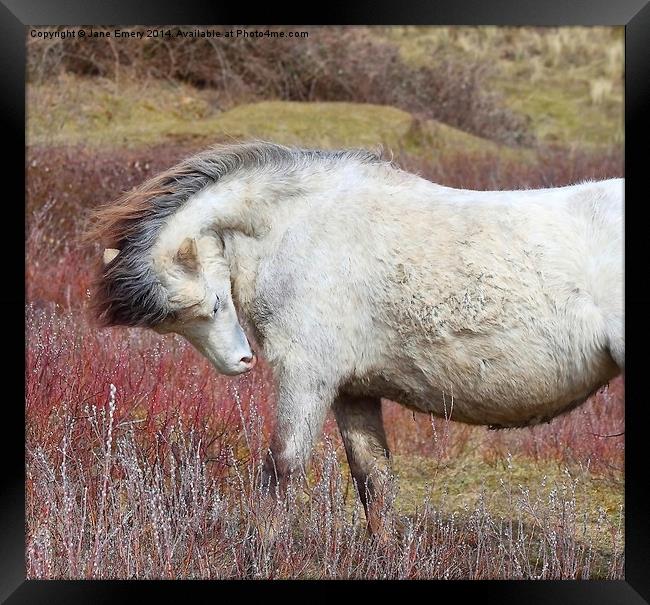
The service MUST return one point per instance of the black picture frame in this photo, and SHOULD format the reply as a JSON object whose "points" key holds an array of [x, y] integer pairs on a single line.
{"points": [[15, 15]]}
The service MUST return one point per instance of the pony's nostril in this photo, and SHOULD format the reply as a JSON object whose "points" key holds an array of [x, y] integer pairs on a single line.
{"points": [[249, 360]]}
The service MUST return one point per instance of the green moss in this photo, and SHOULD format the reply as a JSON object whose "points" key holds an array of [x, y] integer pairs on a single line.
{"points": [[508, 490], [525, 490], [567, 115], [318, 124], [95, 112], [462, 481], [100, 112]]}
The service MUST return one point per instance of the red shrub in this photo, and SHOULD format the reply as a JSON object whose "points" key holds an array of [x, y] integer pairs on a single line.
{"points": [[159, 479]]}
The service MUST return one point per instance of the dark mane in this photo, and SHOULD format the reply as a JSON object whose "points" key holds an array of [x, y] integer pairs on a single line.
{"points": [[127, 291]]}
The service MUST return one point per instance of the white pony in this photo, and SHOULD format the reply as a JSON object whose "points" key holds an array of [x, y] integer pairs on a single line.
{"points": [[362, 281]]}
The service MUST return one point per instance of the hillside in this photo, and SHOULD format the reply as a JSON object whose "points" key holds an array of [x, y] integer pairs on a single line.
{"points": [[96, 113]]}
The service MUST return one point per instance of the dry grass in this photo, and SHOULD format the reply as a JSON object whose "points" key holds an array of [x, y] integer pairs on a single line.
{"points": [[515, 86], [347, 64], [546, 73]]}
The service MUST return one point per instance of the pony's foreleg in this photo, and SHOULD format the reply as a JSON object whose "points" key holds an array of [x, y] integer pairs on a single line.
{"points": [[301, 409], [362, 429]]}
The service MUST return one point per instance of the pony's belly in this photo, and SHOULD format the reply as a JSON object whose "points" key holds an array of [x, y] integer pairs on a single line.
{"points": [[518, 398], [504, 399], [519, 411], [515, 377]]}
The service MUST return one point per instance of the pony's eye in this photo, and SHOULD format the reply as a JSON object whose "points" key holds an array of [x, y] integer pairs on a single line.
{"points": [[216, 306]]}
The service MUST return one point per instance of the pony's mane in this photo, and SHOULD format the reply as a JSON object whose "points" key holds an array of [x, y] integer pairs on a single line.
{"points": [[127, 291]]}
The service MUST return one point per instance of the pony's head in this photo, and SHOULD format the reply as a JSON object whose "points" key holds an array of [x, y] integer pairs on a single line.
{"points": [[198, 303], [181, 284]]}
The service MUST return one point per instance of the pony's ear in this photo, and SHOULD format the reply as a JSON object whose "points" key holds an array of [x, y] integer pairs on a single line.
{"points": [[187, 255], [110, 254]]}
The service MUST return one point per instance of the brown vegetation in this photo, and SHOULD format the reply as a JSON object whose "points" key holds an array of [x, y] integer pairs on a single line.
{"points": [[333, 64]]}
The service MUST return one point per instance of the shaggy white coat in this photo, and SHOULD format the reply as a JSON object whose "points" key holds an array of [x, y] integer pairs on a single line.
{"points": [[363, 281]]}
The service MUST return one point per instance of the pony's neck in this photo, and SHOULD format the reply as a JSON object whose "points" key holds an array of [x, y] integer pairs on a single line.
{"points": [[226, 205], [248, 212]]}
